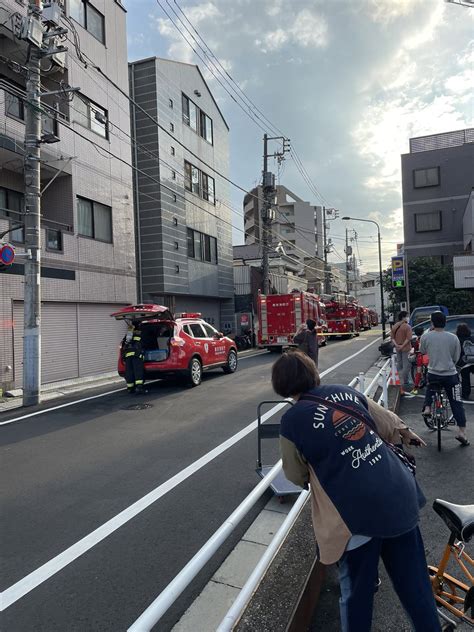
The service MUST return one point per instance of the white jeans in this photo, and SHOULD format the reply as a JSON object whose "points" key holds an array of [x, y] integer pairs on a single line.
{"points": [[403, 366]]}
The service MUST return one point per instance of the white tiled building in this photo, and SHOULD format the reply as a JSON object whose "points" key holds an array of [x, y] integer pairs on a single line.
{"points": [[88, 242]]}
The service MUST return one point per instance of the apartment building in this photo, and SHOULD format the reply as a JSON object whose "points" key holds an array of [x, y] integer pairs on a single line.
{"points": [[87, 234], [183, 216], [437, 180], [297, 225]]}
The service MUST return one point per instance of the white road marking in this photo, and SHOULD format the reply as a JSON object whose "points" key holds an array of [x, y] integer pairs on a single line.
{"points": [[86, 399], [56, 564]]}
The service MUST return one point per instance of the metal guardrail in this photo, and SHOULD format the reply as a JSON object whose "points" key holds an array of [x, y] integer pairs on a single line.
{"points": [[155, 611]]}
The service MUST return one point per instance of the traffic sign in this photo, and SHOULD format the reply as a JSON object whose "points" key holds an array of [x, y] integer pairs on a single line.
{"points": [[7, 255], [398, 271]]}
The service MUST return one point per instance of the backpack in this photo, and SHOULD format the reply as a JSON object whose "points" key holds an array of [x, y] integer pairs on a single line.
{"points": [[467, 353]]}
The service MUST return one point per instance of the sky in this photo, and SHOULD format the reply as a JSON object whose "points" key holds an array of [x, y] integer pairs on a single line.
{"points": [[348, 81]]}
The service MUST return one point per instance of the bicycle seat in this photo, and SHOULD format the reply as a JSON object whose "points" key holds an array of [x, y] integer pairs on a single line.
{"points": [[459, 518]]}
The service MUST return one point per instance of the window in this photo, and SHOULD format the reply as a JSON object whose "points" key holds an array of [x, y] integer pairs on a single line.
{"points": [[206, 128], [198, 331], [54, 239], [196, 119], [94, 220], [173, 151], [426, 177], [170, 103], [171, 127], [208, 188], [173, 175], [88, 17], [174, 197], [187, 330], [190, 241], [426, 222], [90, 115], [201, 247], [12, 205], [199, 182], [14, 106], [210, 331]]}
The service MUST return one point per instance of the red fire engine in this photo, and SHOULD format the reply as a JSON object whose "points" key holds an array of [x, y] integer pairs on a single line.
{"points": [[374, 319], [280, 315], [364, 318], [342, 315]]}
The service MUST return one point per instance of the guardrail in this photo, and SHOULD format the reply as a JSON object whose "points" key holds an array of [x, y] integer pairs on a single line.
{"points": [[150, 617]]}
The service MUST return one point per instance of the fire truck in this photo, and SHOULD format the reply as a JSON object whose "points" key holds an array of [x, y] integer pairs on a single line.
{"points": [[280, 315], [342, 315], [364, 318], [374, 319]]}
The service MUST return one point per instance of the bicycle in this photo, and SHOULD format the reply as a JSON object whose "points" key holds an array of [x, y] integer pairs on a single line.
{"points": [[439, 418], [450, 593]]}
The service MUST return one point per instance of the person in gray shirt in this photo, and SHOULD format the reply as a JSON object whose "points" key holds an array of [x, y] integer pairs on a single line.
{"points": [[444, 349]]}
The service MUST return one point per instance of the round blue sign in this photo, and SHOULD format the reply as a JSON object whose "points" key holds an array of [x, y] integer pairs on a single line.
{"points": [[7, 255]]}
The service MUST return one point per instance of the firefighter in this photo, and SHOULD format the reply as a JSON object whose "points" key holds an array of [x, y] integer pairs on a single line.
{"points": [[134, 359]]}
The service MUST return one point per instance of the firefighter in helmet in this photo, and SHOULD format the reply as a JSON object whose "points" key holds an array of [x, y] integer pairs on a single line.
{"points": [[133, 357]]}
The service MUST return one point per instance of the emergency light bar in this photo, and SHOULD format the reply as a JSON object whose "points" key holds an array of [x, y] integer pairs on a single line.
{"points": [[190, 315]]}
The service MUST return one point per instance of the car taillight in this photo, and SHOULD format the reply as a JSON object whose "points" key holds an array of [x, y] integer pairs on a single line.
{"points": [[177, 342]]}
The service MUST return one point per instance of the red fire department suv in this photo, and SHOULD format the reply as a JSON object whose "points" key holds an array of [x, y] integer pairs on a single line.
{"points": [[182, 345]]}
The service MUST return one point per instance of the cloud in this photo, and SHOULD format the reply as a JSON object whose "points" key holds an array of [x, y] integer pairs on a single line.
{"points": [[308, 30], [386, 11]]}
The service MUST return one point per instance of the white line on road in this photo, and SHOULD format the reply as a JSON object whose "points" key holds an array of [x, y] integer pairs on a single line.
{"points": [[44, 572], [86, 399]]}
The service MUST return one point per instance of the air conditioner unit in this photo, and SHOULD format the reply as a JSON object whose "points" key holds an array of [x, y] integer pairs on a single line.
{"points": [[32, 31], [52, 13]]}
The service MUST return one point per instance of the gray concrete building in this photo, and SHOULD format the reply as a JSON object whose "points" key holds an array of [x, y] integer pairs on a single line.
{"points": [[437, 180], [87, 235], [183, 217], [297, 225]]}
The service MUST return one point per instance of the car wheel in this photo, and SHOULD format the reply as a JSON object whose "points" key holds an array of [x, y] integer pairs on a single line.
{"points": [[195, 372], [231, 365]]}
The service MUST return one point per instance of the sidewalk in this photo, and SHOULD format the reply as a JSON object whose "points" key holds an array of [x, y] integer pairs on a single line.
{"points": [[447, 475]]}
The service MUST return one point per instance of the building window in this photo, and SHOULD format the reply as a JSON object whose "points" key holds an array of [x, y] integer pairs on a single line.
{"points": [[201, 247], [94, 220], [171, 127], [173, 175], [12, 205], [426, 177], [54, 240], [14, 106], [170, 103], [173, 151], [175, 199], [197, 120], [427, 222], [88, 17], [199, 182], [90, 115]]}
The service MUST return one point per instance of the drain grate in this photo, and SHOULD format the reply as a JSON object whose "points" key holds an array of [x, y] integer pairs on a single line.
{"points": [[137, 407]]}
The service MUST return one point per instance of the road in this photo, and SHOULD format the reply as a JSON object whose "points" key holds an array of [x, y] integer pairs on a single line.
{"points": [[102, 506]]}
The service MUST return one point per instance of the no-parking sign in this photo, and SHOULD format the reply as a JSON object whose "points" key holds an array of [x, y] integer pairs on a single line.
{"points": [[7, 255]]}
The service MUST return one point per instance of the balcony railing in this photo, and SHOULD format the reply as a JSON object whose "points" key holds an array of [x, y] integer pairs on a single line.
{"points": [[442, 141]]}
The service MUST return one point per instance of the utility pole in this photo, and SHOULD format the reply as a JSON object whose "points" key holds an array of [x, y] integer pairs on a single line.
{"points": [[267, 212], [327, 281], [347, 251], [32, 296]]}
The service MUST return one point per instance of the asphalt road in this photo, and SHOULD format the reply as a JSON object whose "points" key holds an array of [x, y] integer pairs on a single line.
{"points": [[67, 472]]}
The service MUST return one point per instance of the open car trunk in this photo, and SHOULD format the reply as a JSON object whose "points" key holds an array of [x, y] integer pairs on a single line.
{"points": [[156, 337], [157, 327]]}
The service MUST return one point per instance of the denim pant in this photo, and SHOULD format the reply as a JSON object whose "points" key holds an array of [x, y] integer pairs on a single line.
{"points": [[453, 391], [403, 366], [404, 559]]}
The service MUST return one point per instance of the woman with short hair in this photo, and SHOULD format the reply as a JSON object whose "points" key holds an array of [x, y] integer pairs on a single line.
{"points": [[365, 500]]}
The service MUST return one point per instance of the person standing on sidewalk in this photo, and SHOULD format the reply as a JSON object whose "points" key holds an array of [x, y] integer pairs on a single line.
{"points": [[307, 339], [365, 501], [444, 350], [401, 337]]}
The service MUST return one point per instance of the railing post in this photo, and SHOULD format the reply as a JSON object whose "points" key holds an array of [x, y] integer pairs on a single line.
{"points": [[361, 382], [385, 376], [393, 367]]}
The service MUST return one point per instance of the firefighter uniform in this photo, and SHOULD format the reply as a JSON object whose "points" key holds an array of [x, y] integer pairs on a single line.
{"points": [[133, 357]]}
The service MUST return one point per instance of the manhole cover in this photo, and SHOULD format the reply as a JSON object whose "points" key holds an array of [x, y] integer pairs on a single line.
{"points": [[137, 407]]}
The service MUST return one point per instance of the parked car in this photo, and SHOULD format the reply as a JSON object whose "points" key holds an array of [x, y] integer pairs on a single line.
{"points": [[178, 345], [452, 322]]}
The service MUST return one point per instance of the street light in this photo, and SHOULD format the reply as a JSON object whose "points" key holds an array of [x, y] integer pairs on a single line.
{"points": [[382, 306]]}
